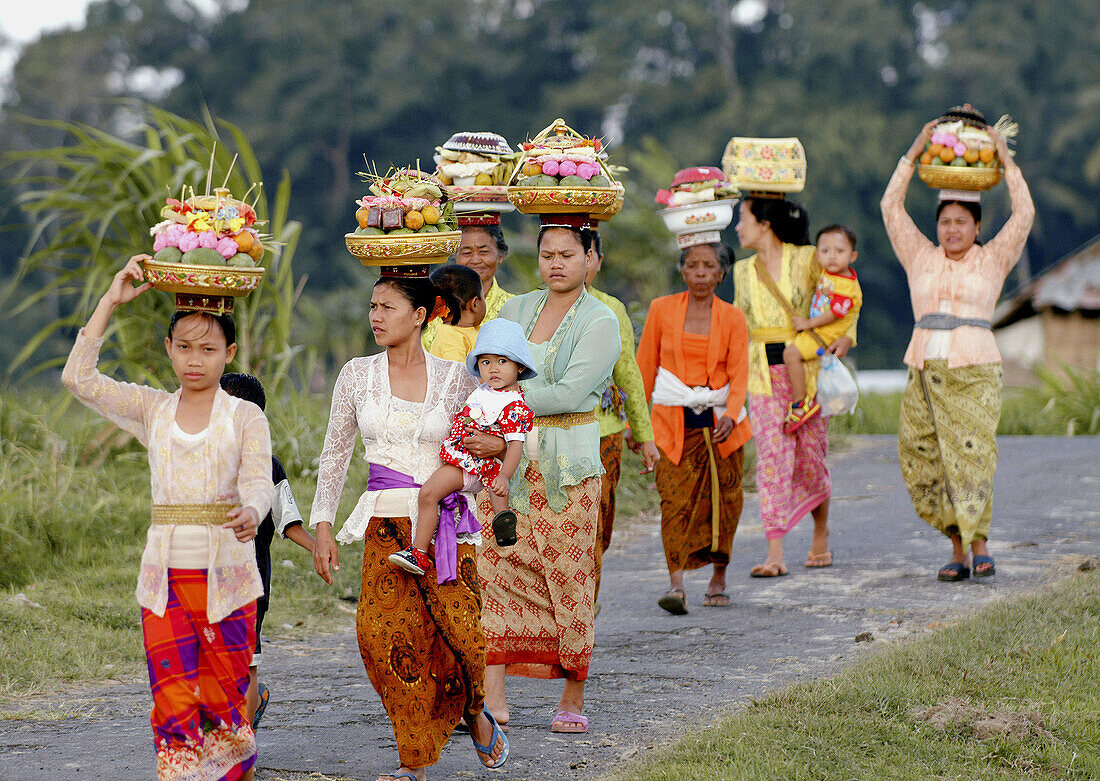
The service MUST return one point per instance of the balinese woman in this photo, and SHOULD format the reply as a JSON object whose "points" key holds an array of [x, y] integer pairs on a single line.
{"points": [[539, 594], [482, 248], [694, 358], [947, 439], [421, 641], [791, 474]]}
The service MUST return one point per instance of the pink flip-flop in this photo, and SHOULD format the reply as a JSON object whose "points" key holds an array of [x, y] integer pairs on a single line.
{"points": [[567, 721]]}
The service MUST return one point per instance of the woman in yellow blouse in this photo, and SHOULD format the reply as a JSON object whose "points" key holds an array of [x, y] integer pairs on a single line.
{"points": [[791, 474], [482, 248]]}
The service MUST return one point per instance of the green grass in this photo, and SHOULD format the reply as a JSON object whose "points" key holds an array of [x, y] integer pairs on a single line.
{"points": [[1035, 654]]}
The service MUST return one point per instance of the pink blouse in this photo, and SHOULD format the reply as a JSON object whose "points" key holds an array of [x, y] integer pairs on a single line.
{"points": [[230, 462], [971, 284]]}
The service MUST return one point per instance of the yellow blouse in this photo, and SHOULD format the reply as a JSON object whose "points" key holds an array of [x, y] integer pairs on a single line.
{"points": [[454, 342], [494, 300], [768, 320], [229, 462]]}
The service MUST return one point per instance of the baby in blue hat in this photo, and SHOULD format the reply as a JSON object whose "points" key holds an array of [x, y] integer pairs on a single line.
{"points": [[500, 359]]}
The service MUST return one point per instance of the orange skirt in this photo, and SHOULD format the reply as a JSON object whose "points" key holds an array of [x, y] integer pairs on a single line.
{"points": [[421, 643]]}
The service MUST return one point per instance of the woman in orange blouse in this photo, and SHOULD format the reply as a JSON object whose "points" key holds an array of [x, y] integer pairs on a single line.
{"points": [[947, 439], [694, 359]]}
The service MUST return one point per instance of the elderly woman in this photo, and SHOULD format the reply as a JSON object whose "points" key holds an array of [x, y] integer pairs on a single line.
{"points": [[482, 248], [791, 474], [539, 593], [421, 642], [947, 439], [694, 358]]}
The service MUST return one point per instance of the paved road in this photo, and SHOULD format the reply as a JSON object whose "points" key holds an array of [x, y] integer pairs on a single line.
{"points": [[653, 675]]}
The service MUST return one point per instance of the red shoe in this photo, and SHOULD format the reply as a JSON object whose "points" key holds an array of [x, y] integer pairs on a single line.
{"points": [[801, 413], [412, 560]]}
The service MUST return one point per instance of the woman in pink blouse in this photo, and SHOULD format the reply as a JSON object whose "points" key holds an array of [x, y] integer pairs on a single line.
{"points": [[947, 438]]}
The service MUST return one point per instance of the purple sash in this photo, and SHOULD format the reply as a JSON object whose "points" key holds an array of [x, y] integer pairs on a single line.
{"points": [[454, 518]]}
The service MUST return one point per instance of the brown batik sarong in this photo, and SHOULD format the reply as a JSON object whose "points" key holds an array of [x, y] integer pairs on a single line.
{"points": [[611, 455], [686, 528], [947, 445], [421, 642], [539, 605]]}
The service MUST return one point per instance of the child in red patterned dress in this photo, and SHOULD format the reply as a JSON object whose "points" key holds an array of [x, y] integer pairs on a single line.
{"points": [[500, 359]]}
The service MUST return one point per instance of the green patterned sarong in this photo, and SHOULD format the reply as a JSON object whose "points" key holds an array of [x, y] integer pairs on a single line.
{"points": [[947, 445]]}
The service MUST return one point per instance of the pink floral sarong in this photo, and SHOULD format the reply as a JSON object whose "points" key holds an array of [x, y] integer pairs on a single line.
{"points": [[791, 475]]}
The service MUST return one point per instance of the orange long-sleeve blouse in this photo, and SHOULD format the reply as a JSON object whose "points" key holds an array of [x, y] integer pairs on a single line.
{"points": [[727, 361]]}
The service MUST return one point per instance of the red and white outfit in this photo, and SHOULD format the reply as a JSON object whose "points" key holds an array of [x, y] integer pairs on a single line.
{"points": [[499, 413]]}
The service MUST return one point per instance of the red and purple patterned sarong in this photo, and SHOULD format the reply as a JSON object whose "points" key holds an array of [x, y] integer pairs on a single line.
{"points": [[198, 673]]}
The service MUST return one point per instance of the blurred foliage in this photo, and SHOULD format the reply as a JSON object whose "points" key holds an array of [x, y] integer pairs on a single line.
{"points": [[319, 86], [92, 202]]}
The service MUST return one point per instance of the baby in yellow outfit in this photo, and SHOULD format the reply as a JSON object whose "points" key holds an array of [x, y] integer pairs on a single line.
{"points": [[835, 304]]}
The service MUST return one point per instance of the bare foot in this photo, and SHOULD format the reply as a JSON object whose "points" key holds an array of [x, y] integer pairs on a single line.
{"points": [[482, 730], [495, 699], [417, 772]]}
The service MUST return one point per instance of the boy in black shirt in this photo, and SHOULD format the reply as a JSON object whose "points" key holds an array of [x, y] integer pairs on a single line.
{"points": [[284, 518]]}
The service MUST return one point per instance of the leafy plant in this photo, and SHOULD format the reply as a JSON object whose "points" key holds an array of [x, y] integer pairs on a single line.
{"points": [[92, 202], [1071, 396]]}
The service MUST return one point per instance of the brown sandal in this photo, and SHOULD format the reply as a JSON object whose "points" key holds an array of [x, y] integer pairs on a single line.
{"points": [[819, 559]]}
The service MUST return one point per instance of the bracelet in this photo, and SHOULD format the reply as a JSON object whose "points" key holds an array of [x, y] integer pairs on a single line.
{"points": [[905, 159]]}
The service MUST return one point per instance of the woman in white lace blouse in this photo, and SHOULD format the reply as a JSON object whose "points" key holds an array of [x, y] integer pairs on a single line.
{"points": [[421, 641]]}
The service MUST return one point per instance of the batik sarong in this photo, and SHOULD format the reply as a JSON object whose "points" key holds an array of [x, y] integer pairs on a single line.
{"points": [[611, 455], [421, 643], [791, 476], [198, 673], [687, 528], [947, 445], [539, 593]]}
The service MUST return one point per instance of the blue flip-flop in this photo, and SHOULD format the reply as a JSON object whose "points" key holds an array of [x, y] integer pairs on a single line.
{"points": [[984, 573], [498, 734], [263, 695], [953, 572]]}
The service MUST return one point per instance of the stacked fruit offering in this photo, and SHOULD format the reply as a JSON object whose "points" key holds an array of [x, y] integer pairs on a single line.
{"points": [[561, 157], [960, 144], [208, 230], [475, 158], [402, 202], [699, 184]]}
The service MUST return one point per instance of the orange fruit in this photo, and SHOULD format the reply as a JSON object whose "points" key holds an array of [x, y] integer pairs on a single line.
{"points": [[430, 214], [361, 216], [414, 220], [926, 158], [244, 240], [971, 156], [483, 180], [532, 169], [256, 251], [935, 149], [985, 154], [947, 154]]}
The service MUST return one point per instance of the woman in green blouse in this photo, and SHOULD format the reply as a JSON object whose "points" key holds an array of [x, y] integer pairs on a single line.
{"points": [[538, 595]]}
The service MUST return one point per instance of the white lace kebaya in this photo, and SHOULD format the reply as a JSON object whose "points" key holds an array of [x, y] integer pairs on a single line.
{"points": [[398, 434]]}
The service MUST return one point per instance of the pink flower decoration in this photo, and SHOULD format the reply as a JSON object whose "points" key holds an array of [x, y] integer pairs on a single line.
{"points": [[160, 242], [586, 170], [550, 167], [189, 241], [227, 248], [208, 240], [567, 168], [960, 149]]}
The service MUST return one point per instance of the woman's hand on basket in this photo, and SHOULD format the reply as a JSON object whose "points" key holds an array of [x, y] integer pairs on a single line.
{"points": [[841, 346], [325, 558], [722, 429], [921, 140], [243, 521], [122, 290], [483, 445], [1003, 153], [650, 456]]}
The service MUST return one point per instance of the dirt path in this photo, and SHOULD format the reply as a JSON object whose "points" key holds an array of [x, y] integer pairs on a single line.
{"points": [[653, 675]]}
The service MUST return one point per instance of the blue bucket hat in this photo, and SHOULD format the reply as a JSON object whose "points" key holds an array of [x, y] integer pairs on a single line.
{"points": [[502, 337]]}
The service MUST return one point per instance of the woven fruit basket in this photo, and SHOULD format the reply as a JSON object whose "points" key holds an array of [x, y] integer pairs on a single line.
{"points": [[202, 280], [411, 249], [949, 177], [562, 200], [615, 207], [562, 172]]}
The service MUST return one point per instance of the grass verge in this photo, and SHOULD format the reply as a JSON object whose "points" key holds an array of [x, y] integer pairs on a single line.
{"points": [[1011, 692]]}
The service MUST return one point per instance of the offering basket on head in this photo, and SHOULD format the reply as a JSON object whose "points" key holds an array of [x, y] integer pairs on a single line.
{"points": [[765, 166], [562, 172]]}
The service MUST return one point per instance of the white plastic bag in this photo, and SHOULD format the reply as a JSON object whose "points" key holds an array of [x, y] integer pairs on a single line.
{"points": [[836, 387]]}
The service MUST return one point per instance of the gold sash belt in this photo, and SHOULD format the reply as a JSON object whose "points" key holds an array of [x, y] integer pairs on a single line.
{"points": [[566, 419], [192, 514], [715, 511], [771, 334]]}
